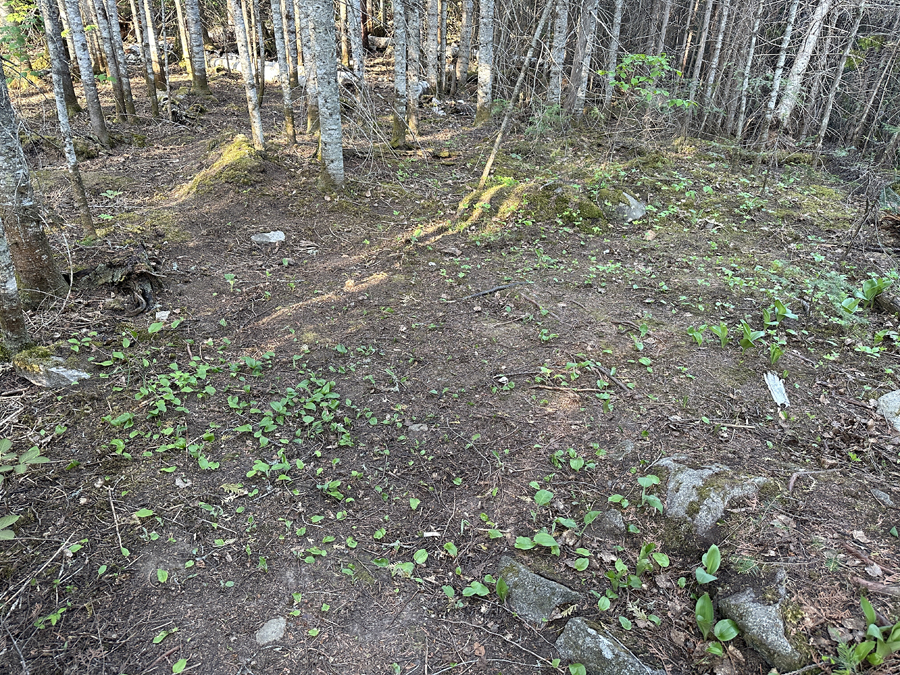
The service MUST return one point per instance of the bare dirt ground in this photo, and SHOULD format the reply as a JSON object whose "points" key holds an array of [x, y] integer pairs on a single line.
{"points": [[345, 430]]}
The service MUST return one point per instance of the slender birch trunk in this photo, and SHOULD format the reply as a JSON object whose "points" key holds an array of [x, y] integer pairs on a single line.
{"points": [[819, 72], [431, 45], [612, 52], [61, 67], [159, 77], [261, 44], [664, 24], [485, 61], [309, 68], [801, 61], [21, 214], [243, 45], [345, 38], [146, 60], [283, 75], [836, 81], [401, 91], [183, 43], [112, 14], [442, 51], [355, 19], [701, 50], [779, 66], [199, 76], [885, 68], [685, 47], [558, 52], [62, 113], [165, 64], [91, 96], [331, 150], [714, 62], [112, 65], [413, 64], [290, 39], [581, 65], [465, 48], [745, 80]]}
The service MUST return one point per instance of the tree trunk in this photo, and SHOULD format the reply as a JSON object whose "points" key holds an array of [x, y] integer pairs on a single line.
{"points": [[159, 77], [701, 50], [401, 91], [290, 39], [581, 64], [21, 215], [820, 70], [345, 38], [779, 66], [485, 61], [612, 52], [664, 24], [413, 65], [98, 123], [60, 66], [442, 51], [62, 113], [13, 330], [745, 80], [146, 60], [283, 75], [355, 19], [685, 47], [465, 48], [112, 13], [558, 52], [431, 45], [885, 68], [714, 62], [309, 68], [185, 46], [261, 45], [243, 46], [199, 77], [331, 148], [112, 65], [801, 61], [836, 81]]}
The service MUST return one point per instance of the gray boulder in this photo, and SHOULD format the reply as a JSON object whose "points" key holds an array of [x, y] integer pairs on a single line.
{"points": [[631, 211], [599, 652], [702, 495], [531, 596], [40, 367], [761, 623], [889, 407], [271, 630]]}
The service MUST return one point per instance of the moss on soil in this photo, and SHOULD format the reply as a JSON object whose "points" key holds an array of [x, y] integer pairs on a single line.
{"points": [[238, 163]]}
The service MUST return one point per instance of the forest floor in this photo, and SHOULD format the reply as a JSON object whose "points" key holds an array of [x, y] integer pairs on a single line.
{"points": [[346, 431]]}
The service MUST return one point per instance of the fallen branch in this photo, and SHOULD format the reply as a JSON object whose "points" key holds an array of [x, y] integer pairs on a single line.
{"points": [[875, 587], [494, 289]]}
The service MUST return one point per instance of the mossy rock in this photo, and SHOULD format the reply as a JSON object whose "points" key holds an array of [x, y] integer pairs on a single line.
{"points": [[237, 163], [85, 149], [161, 222]]}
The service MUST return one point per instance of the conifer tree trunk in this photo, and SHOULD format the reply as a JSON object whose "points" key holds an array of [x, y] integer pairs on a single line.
{"points": [[21, 214], [485, 61], [431, 45], [685, 46], [62, 113], [465, 48], [199, 76], [243, 45], [581, 64], [801, 61], [283, 76], [401, 91], [60, 67], [558, 52], [331, 150], [345, 37], [836, 81], [91, 96], [612, 52], [13, 329], [413, 66], [257, 20]]}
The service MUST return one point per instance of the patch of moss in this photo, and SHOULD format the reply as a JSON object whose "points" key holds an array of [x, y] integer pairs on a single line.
{"points": [[238, 163], [85, 149], [29, 359], [157, 221]]}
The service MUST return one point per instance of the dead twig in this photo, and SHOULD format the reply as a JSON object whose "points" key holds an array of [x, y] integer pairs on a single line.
{"points": [[797, 475], [612, 378], [875, 587], [541, 308], [493, 290]]}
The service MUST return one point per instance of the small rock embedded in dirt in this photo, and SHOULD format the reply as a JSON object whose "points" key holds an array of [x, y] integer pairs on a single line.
{"points": [[608, 525], [532, 596], [761, 624], [45, 370], [587, 643], [632, 211], [272, 630], [268, 237], [883, 497], [889, 406], [716, 482]]}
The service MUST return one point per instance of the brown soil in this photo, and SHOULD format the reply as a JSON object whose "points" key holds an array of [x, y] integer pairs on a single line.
{"points": [[451, 410]]}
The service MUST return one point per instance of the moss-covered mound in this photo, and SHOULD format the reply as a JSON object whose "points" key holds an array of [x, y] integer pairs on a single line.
{"points": [[237, 163]]}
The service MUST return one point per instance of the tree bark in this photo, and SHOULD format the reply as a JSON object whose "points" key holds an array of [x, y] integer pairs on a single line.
{"points": [[401, 91], [243, 46], [183, 38], [465, 48], [581, 64], [21, 215], [354, 17], [60, 66], [664, 24], [612, 52], [290, 39], [91, 96], [745, 80], [261, 45], [112, 13], [199, 76], [413, 65], [309, 68], [283, 74], [146, 60], [838, 75], [801, 61], [13, 329], [558, 52], [714, 62], [442, 51], [331, 148], [701, 50], [159, 77], [112, 65], [345, 38], [485, 61], [431, 45], [779, 66]]}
